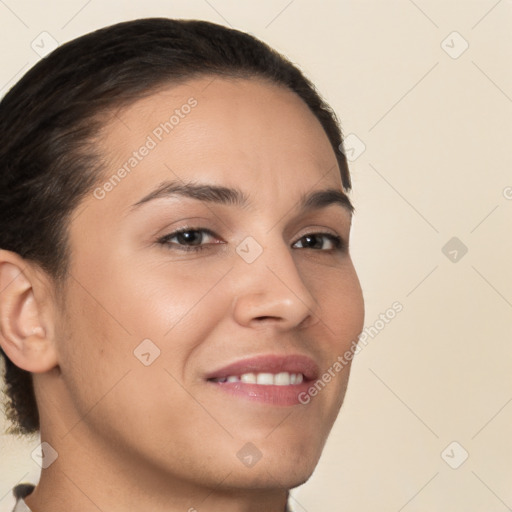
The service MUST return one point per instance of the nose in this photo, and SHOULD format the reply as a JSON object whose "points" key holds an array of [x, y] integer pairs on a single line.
{"points": [[271, 291]]}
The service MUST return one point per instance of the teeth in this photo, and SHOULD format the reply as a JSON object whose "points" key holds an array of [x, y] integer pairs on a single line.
{"points": [[248, 378], [266, 379], [284, 379], [296, 378]]}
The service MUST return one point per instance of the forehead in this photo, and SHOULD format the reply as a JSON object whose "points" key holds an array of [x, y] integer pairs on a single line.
{"points": [[233, 130]]}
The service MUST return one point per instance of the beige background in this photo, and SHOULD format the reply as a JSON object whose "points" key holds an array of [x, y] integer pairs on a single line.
{"points": [[437, 164]]}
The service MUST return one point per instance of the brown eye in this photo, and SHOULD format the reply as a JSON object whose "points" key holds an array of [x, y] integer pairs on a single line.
{"points": [[189, 239], [319, 241]]}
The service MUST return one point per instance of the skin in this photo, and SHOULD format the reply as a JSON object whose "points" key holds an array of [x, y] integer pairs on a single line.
{"points": [[159, 437]]}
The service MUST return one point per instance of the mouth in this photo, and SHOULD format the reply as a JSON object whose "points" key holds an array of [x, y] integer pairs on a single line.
{"points": [[273, 379], [264, 379]]}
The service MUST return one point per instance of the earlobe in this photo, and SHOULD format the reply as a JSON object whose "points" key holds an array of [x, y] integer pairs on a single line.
{"points": [[25, 322]]}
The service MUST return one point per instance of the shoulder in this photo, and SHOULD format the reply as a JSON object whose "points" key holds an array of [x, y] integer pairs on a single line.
{"points": [[20, 491]]}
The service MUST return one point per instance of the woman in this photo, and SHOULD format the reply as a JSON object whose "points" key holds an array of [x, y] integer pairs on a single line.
{"points": [[177, 284]]}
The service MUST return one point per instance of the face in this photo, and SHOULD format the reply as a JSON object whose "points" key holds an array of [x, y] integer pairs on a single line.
{"points": [[210, 287]]}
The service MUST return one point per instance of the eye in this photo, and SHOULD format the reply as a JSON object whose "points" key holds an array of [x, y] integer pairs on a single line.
{"points": [[190, 239], [196, 239], [319, 241]]}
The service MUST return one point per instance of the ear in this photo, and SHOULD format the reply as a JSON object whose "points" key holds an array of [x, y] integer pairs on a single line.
{"points": [[26, 319]]}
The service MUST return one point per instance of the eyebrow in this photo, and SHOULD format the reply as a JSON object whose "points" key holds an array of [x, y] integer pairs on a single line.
{"points": [[233, 196]]}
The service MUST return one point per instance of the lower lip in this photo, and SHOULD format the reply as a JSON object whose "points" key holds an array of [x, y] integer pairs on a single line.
{"points": [[272, 395]]}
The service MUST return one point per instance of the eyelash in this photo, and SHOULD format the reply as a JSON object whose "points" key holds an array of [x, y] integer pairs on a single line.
{"points": [[337, 241]]}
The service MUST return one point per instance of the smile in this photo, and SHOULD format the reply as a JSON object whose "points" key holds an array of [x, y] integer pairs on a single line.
{"points": [[269, 379], [265, 379]]}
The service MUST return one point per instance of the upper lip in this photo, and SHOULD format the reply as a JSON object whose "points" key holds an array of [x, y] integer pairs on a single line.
{"points": [[272, 363]]}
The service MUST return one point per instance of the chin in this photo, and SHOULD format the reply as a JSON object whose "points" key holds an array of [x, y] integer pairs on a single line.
{"points": [[265, 478], [283, 468]]}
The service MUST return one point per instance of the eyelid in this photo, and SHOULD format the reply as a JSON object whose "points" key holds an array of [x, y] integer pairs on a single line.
{"points": [[318, 230]]}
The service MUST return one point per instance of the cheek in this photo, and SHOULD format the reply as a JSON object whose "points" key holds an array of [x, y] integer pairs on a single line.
{"points": [[110, 387], [156, 296], [94, 345], [341, 306], [341, 312], [114, 311]]}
